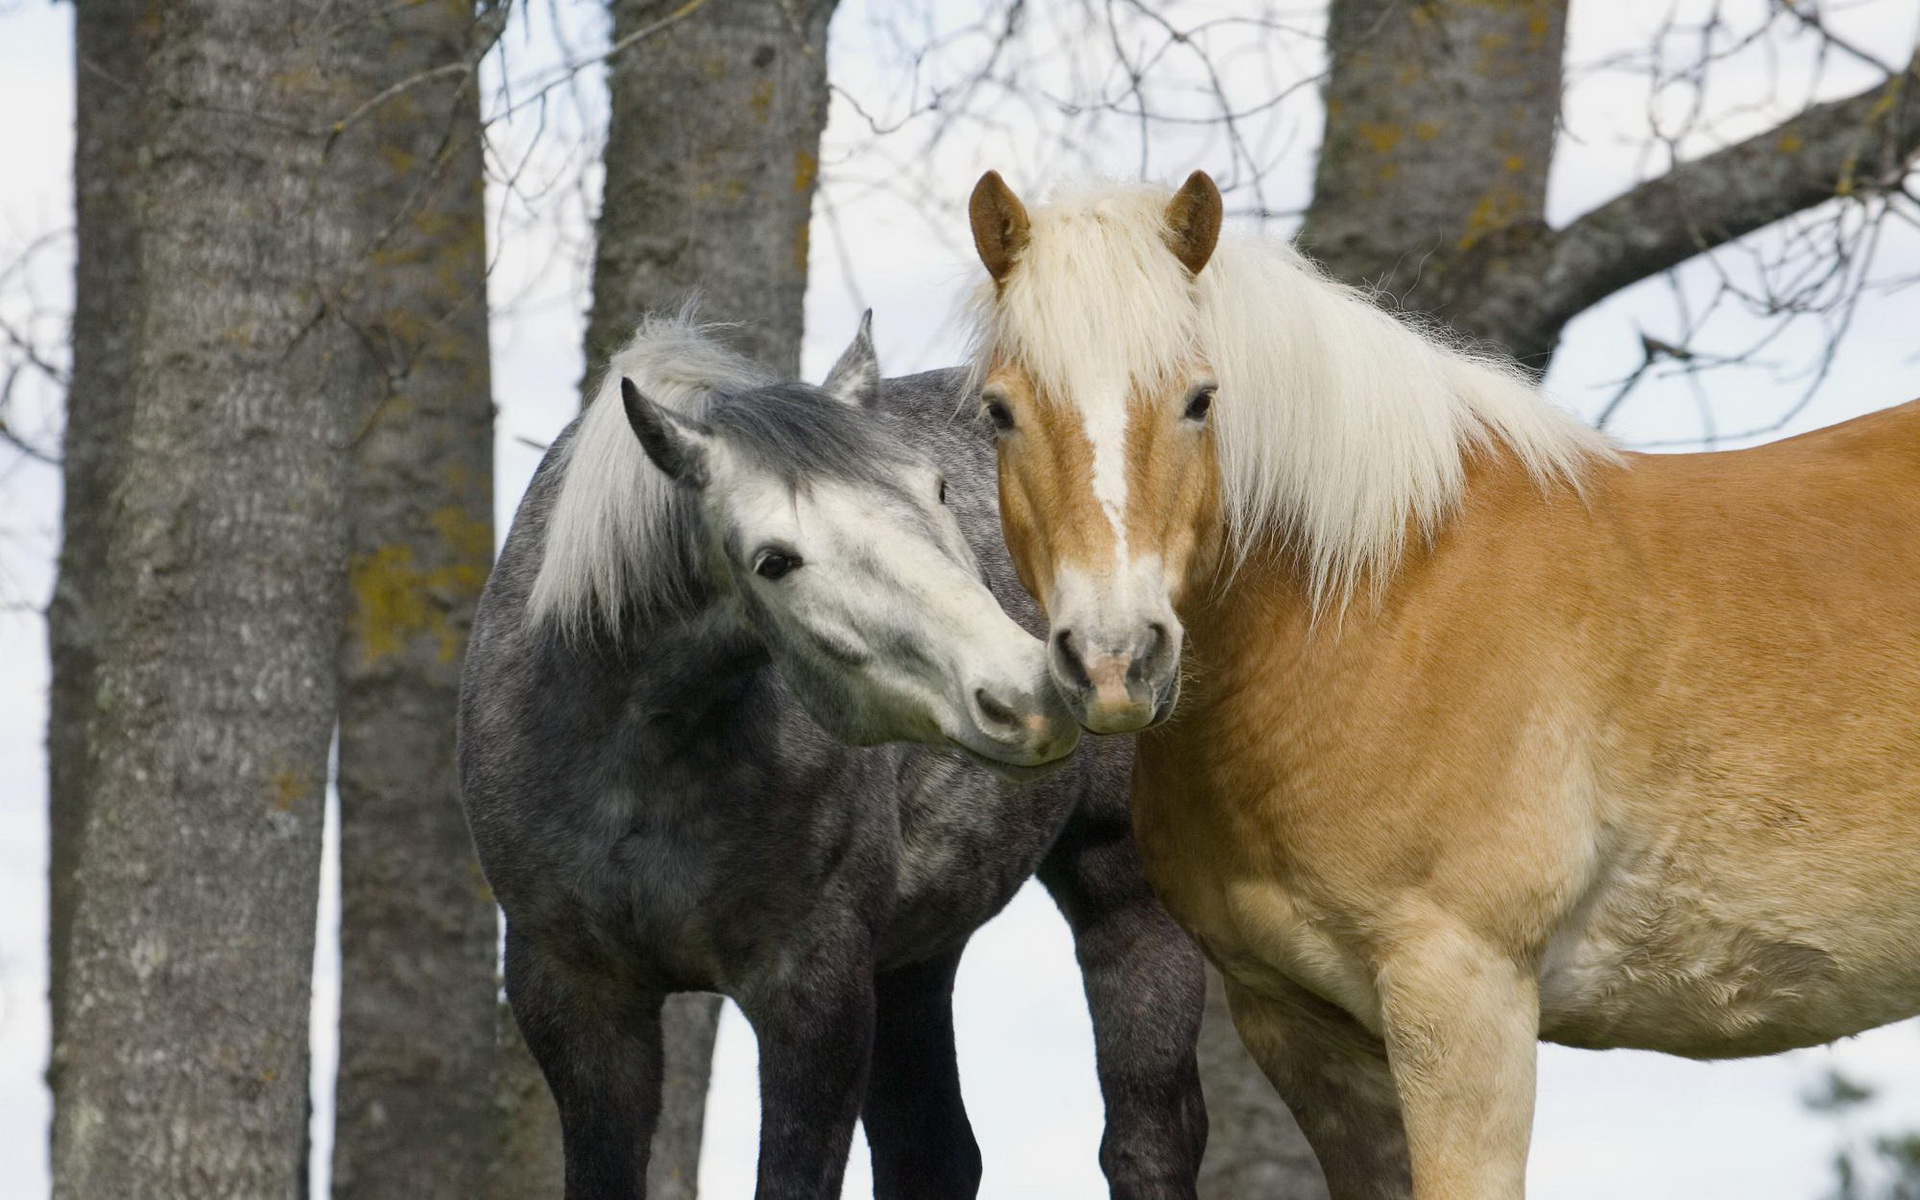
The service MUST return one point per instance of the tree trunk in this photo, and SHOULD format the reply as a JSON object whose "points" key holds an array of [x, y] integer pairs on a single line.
{"points": [[187, 985], [712, 152], [1440, 127], [99, 399], [418, 930]]}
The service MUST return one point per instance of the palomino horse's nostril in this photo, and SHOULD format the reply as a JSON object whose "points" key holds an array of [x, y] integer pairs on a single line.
{"points": [[1070, 663], [994, 711], [1148, 660]]}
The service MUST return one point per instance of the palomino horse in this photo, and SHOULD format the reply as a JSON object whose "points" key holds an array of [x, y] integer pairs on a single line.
{"points": [[710, 593], [1489, 732]]}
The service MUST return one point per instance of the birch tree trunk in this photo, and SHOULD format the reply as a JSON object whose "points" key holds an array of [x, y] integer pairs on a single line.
{"points": [[712, 152], [186, 991], [419, 938]]}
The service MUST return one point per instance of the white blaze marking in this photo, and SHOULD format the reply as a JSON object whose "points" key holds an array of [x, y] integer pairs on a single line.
{"points": [[1105, 422]]}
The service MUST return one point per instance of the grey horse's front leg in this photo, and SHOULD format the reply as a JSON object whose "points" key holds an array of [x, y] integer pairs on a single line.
{"points": [[598, 1045], [814, 1023], [923, 1144], [1146, 989]]}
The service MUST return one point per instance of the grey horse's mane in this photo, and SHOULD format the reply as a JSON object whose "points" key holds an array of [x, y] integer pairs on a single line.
{"points": [[619, 537]]}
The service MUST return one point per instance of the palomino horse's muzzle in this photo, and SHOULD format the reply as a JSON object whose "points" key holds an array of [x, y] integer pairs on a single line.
{"points": [[1117, 684]]}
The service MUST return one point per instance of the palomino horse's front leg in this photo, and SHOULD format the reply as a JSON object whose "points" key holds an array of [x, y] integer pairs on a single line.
{"points": [[1462, 1025], [815, 1028], [1333, 1074], [1146, 991]]}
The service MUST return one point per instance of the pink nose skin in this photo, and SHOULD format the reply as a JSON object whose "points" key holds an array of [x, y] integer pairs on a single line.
{"points": [[1109, 677], [1115, 706]]}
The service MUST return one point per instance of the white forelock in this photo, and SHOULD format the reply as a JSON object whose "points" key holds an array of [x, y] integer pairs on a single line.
{"points": [[607, 549], [1339, 427]]}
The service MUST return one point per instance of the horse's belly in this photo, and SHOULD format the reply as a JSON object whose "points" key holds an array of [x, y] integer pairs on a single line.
{"points": [[1658, 963]]}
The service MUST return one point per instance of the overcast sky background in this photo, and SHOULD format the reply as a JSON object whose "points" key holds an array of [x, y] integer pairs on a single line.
{"points": [[1609, 1124]]}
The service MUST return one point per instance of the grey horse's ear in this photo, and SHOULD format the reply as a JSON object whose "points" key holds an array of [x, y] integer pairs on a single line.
{"points": [[676, 445], [855, 379]]}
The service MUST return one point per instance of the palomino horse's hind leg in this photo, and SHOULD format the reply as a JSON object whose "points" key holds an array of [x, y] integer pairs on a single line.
{"points": [[1333, 1074], [600, 1052], [1146, 991], [923, 1145], [814, 1024]]}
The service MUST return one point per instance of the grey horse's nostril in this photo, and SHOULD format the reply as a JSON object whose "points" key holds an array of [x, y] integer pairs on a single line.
{"points": [[995, 712]]}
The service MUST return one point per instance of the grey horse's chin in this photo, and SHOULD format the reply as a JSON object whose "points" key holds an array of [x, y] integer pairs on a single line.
{"points": [[1011, 772]]}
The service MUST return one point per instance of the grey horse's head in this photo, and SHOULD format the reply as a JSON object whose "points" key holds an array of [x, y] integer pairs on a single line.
{"points": [[806, 513]]}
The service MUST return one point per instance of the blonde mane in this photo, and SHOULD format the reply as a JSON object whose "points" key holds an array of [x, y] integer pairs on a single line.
{"points": [[613, 538], [1339, 427]]}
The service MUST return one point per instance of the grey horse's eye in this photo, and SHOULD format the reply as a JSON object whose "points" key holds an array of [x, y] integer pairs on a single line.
{"points": [[775, 564], [943, 491]]}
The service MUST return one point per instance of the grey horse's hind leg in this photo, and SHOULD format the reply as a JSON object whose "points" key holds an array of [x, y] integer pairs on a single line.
{"points": [[815, 1029], [1146, 990], [923, 1145], [599, 1049]]}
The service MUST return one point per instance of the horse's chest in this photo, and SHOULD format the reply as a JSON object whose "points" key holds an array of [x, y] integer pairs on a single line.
{"points": [[1258, 921], [966, 845]]}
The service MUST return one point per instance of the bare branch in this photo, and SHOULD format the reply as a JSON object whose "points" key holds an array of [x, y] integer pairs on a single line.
{"points": [[1860, 145]]}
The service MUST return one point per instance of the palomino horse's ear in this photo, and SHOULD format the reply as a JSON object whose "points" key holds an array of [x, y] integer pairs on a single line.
{"points": [[1000, 226], [855, 379], [676, 445], [1193, 221]]}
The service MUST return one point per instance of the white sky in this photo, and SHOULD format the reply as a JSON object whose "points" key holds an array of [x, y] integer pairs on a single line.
{"points": [[1609, 1124]]}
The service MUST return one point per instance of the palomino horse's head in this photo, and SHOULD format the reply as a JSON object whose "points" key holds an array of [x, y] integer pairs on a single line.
{"points": [[1109, 483], [830, 535]]}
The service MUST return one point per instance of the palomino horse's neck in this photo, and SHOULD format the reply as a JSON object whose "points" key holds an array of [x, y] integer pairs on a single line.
{"points": [[1261, 615]]}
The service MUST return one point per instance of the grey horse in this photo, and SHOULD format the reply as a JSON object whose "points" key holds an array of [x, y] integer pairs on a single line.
{"points": [[721, 595]]}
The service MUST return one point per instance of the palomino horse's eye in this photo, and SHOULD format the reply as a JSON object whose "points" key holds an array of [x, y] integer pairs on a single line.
{"points": [[1200, 402], [775, 564], [997, 412]]}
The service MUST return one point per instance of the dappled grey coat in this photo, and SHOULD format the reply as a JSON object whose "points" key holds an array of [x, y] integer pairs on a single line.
{"points": [[655, 813]]}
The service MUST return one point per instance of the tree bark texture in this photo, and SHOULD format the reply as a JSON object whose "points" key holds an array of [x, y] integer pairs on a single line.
{"points": [[419, 939], [99, 399], [183, 1069], [1440, 127], [712, 154]]}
